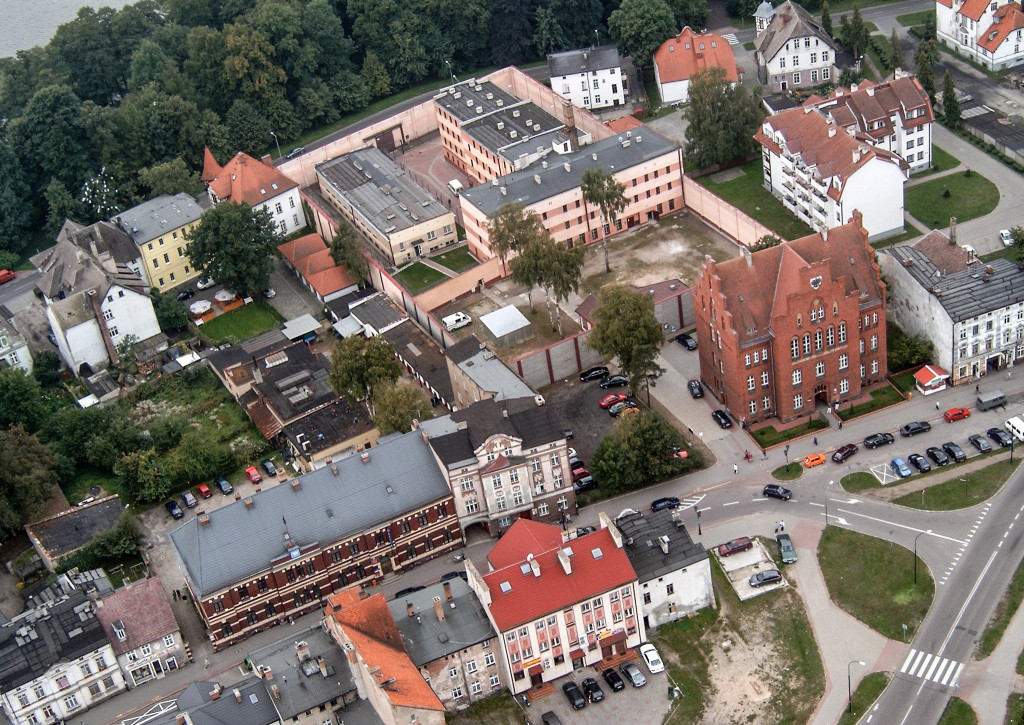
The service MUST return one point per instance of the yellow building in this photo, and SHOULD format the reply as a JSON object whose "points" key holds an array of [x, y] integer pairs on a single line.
{"points": [[158, 228]]}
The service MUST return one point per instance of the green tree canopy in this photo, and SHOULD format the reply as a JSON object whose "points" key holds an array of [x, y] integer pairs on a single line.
{"points": [[603, 191], [1018, 242], [361, 366], [826, 18], [347, 250], [395, 407], [895, 59], [925, 53], [15, 211], [625, 329], [21, 400], [46, 367], [722, 119], [170, 178], [638, 452], [854, 35], [511, 228], [640, 26], [235, 246], [171, 315], [28, 477], [950, 103]]}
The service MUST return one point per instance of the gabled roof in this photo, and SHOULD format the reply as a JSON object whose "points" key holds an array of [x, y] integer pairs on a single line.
{"points": [[244, 179], [790, 21], [973, 9], [626, 123], [1007, 19], [521, 594], [642, 534], [157, 216], [929, 374], [518, 418], [426, 637], [865, 104], [142, 611], [525, 537], [87, 257], [682, 57], [585, 60]]}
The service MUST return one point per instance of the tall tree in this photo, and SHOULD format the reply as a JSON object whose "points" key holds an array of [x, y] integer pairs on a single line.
{"points": [[924, 73], [171, 315], [361, 366], [577, 19], [347, 250], [640, 26], [28, 478], [248, 129], [235, 246], [375, 76], [547, 35], [1017, 234], [50, 139], [722, 119], [15, 211], [895, 59], [562, 274], [511, 228], [170, 177], [511, 31], [950, 103], [826, 18], [854, 35], [89, 51], [60, 206], [689, 12], [626, 329], [603, 191], [528, 266], [249, 65], [395, 407], [21, 400]]}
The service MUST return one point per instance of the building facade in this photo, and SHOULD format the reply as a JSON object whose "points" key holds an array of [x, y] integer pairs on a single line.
{"points": [[679, 59], [14, 352], [244, 180], [589, 78], [822, 173], [159, 228], [989, 32], [476, 373], [793, 51], [815, 335], [276, 554]]}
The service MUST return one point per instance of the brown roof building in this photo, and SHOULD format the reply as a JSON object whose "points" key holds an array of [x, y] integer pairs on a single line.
{"points": [[792, 326], [679, 59]]}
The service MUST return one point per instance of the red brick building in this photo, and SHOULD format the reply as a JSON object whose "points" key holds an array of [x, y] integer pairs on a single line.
{"points": [[786, 328]]}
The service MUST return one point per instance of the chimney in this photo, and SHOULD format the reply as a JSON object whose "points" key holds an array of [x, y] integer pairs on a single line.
{"points": [[871, 91], [302, 650], [365, 456], [663, 543], [215, 692], [204, 520], [296, 484], [536, 178], [807, 109], [831, 131], [535, 567], [351, 654], [563, 559], [410, 610], [322, 665], [447, 591], [856, 155], [248, 503], [747, 256], [952, 230], [267, 160], [238, 694], [570, 126], [273, 691], [438, 609], [268, 674]]}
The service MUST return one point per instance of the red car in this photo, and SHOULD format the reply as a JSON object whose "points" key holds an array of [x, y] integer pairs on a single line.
{"points": [[579, 473], [611, 399], [734, 546], [6, 275], [253, 474], [956, 414], [203, 490]]}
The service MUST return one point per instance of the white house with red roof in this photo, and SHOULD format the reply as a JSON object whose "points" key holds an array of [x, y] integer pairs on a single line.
{"points": [[680, 58], [822, 173], [246, 180], [989, 32], [557, 603]]}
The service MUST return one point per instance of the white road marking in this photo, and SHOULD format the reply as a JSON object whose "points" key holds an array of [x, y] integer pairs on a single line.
{"points": [[731, 503], [903, 526]]}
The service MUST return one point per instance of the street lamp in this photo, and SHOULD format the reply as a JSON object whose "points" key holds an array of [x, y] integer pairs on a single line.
{"points": [[915, 552], [849, 683], [276, 144], [450, 71], [827, 492]]}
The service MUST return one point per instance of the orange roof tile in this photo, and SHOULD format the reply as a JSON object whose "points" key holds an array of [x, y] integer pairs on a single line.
{"points": [[312, 259], [524, 537], [370, 627], [947, 3], [1007, 19], [626, 123], [929, 374], [682, 57], [973, 9], [244, 179], [210, 166]]}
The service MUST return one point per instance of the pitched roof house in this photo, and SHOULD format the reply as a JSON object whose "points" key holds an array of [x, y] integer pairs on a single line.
{"points": [[793, 50], [989, 33], [245, 180], [679, 59]]}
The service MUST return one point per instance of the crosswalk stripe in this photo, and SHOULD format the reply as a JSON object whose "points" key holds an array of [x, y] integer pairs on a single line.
{"points": [[910, 656], [956, 677], [932, 669], [920, 672], [937, 669], [731, 38], [913, 666], [949, 672], [942, 667]]}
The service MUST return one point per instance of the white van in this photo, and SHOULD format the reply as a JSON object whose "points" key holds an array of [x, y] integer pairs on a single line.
{"points": [[455, 186], [455, 321], [1016, 428]]}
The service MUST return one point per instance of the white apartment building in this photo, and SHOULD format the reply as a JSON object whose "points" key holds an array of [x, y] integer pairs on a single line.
{"points": [[589, 78], [793, 50], [989, 32], [823, 174], [895, 115], [14, 350], [246, 180]]}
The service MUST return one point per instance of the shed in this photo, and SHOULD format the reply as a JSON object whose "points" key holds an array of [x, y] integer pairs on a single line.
{"points": [[507, 325], [301, 327], [931, 379]]}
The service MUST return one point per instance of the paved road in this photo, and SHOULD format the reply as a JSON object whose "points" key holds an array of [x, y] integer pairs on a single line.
{"points": [[10, 292]]}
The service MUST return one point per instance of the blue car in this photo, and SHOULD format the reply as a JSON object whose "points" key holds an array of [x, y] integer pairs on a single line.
{"points": [[899, 467]]}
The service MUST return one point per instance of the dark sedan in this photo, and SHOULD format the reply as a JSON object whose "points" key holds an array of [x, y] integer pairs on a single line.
{"points": [[695, 389], [936, 454], [954, 451], [592, 690], [668, 502], [174, 509], [593, 374], [878, 439], [185, 294], [1000, 436], [722, 418], [912, 429], [687, 341], [979, 442], [844, 452], [614, 681], [574, 695], [919, 462], [774, 490], [614, 381]]}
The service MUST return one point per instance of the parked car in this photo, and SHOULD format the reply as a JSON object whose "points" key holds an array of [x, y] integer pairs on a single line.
{"points": [[574, 695], [567, 433], [579, 473], [696, 391], [575, 463], [937, 455], [611, 399], [408, 590], [185, 294], [651, 658], [584, 530], [614, 381], [572, 452], [620, 407], [666, 502], [786, 550], [593, 374], [687, 341], [614, 681], [550, 718], [736, 545], [203, 490], [6, 275], [295, 152], [912, 429], [205, 283], [954, 451], [979, 442], [223, 485], [584, 484], [632, 673], [899, 467], [454, 575], [253, 474], [174, 509], [956, 414], [813, 459], [765, 576], [1000, 436], [1006, 237], [592, 690], [878, 439], [844, 452], [722, 418], [774, 490], [269, 293], [269, 467], [190, 500], [919, 462]]}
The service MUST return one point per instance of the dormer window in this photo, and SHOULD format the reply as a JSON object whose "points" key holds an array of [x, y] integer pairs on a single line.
{"points": [[118, 627]]}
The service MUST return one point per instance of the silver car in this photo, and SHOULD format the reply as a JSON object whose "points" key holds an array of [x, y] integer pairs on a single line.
{"points": [[632, 673]]}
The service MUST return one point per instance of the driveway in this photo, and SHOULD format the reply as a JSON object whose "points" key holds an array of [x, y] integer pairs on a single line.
{"points": [[646, 704]]}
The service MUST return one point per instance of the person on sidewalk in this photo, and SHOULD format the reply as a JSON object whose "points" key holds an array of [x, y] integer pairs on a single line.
{"points": [[735, 469], [782, 526]]}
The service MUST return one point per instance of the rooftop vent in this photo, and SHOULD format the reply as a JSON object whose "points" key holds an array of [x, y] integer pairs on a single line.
{"points": [[365, 456], [204, 520], [249, 503]]}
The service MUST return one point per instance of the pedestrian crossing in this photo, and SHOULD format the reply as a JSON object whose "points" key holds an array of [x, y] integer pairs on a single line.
{"points": [[940, 670], [730, 38]]}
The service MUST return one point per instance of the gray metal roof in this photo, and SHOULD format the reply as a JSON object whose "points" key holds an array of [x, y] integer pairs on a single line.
{"points": [[765, 10], [256, 707], [972, 292], [70, 530], [613, 155], [423, 353], [377, 311], [490, 373], [425, 637], [462, 99], [533, 424], [239, 542], [504, 320], [641, 534], [381, 192], [159, 215], [571, 62]]}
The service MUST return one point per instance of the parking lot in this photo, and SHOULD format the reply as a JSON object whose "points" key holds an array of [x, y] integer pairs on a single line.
{"points": [[575, 406], [739, 567], [647, 704]]}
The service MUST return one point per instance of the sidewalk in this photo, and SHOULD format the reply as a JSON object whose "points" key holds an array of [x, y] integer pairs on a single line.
{"points": [[988, 684]]}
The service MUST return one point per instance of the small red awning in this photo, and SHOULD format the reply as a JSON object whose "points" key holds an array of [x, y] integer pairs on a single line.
{"points": [[615, 638], [577, 654], [535, 670]]}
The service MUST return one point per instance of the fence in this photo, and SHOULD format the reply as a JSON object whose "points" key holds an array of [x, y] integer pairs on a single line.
{"points": [[721, 214], [559, 360], [384, 282]]}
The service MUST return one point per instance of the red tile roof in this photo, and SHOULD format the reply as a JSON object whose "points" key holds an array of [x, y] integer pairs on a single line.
{"points": [[1007, 19], [626, 123], [682, 57], [143, 609], [244, 179], [370, 627], [312, 259], [867, 103], [530, 596], [929, 374], [948, 257], [973, 9], [524, 537]]}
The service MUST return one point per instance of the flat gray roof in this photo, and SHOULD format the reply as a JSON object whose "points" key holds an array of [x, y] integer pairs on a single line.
{"points": [[425, 637], [462, 99], [504, 320], [239, 542], [377, 311], [379, 190], [159, 215], [641, 534], [490, 373], [612, 155], [571, 62]]}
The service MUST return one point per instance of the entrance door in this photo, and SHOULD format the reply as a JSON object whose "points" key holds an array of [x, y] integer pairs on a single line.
{"points": [[783, 85], [537, 679]]}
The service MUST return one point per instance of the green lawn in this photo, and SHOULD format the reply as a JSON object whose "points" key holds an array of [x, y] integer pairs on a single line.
{"points": [[943, 159], [240, 324], [418, 277], [904, 381], [909, 232], [767, 436], [882, 597], [969, 197], [500, 708], [881, 398], [748, 194], [974, 488], [919, 18], [1001, 617], [859, 481], [457, 260], [958, 712], [1010, 253], [789, 472], [1014, 707], [864, 696], [689, 670], [749, 46]]}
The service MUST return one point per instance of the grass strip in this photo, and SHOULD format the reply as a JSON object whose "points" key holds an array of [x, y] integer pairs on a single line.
{"points": [[1007, 607], [864, 697], [963, 491]]}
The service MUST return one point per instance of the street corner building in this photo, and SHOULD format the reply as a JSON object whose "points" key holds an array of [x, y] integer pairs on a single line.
{"points": [[794, 325]]}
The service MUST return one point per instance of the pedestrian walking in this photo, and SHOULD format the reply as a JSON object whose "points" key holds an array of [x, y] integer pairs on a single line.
{"points": [[206, 663], [815, 440], [840, 425], [782, 526], [764, 454], [976, 388], [735, 469], [936, 405], [776, 527]]}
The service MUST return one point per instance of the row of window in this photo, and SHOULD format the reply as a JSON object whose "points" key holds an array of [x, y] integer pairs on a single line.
{"points": [[796, 60], [821, 340], [475, 688]]}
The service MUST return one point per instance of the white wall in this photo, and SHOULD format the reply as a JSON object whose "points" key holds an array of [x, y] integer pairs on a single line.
{"points": [[130, 313], [876, 190], [291, 212], [782, 66], [674, 92], [917, 311], [691, 590], [16, 357], [579, 88]]}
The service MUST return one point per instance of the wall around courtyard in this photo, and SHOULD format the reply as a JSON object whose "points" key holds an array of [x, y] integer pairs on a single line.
{"points": [[721, 214]]}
